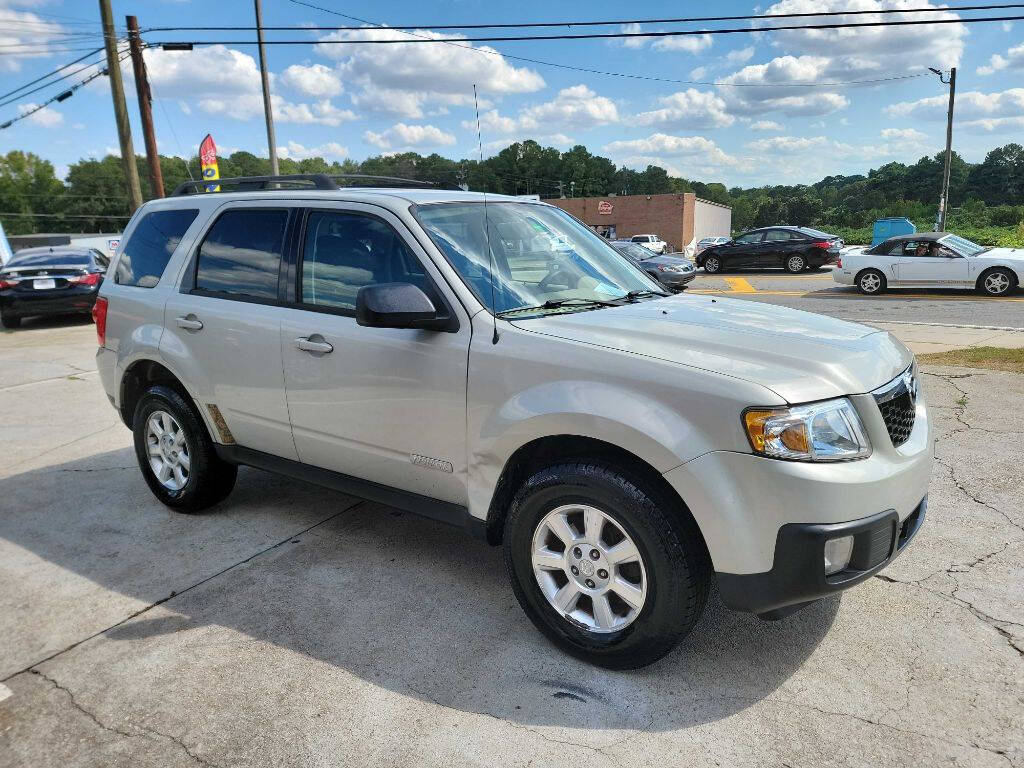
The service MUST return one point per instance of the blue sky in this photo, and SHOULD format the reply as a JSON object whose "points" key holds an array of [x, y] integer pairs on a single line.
{"points": [[739, 121]]}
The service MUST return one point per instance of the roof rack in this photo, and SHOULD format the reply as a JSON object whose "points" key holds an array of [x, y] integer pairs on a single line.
{"points": [[292, 181]]}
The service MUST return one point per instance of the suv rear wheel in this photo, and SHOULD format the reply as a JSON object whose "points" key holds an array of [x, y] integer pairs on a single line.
{"points": [[176, 454], [603, 565]]}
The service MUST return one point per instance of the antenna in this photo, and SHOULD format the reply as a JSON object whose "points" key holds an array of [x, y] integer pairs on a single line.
{"points": [[487, 224]]}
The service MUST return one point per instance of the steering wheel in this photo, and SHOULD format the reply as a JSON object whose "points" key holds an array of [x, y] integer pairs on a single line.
{"points": [[550, 278]]}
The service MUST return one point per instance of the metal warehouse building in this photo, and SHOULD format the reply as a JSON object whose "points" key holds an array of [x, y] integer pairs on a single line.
{"points": [[678, 219]]}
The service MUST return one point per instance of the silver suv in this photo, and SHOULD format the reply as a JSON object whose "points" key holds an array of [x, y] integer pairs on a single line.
{"points": [[496, 365]]}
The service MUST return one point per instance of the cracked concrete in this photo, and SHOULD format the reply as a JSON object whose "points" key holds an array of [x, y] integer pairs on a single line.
{"points": [[293, 627]]}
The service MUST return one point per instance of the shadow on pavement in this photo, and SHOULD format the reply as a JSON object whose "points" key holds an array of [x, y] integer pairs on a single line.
{"points": [[29, 323], [404, 603]]}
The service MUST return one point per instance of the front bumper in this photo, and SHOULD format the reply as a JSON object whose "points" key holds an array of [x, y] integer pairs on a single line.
{"points": [[798, 576], [676, 279]]}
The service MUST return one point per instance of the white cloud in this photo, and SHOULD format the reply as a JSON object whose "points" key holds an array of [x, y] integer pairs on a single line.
{"points": [[760, 88], [688, 109], [974, 109], [740, 55], [575, 108], [330, 150], [699, 73], [902, 134], [404, 79], [696, 148], [402, 135], [788, 145], [45, 117], [1013, 59], [870, 49], [224, 81], [315, 80], [685, 43], [765, 125], [24, 35]]}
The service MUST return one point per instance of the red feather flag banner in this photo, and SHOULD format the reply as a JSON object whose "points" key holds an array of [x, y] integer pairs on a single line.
{"points": [[208, 162]]}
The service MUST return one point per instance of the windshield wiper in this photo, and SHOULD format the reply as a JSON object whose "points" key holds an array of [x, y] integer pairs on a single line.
{"points": [[634, 295], [558, 303]]}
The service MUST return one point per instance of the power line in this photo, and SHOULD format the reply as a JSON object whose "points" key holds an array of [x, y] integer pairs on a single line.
{"points": [[43, 77], [611, 35], [22, 95], [617, 22], [59, 97]]}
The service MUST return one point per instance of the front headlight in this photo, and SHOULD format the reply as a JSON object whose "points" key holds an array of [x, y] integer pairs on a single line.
{"points": [[674, 268], [826, 431]]}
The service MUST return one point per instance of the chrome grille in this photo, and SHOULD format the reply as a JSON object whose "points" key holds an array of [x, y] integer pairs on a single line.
{"points": [[897, 402]]}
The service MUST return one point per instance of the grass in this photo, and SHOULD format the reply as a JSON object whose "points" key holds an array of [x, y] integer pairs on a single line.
{"points": [[994, 358]]}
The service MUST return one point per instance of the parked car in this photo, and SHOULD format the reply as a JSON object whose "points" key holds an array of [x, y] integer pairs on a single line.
{"points": [[792, 248], [674, 272], [50, 281], [651, 242], [625, 448], [932, 260], [705, 243]]}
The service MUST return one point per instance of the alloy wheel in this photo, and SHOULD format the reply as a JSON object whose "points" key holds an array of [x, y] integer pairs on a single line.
{"points": [[712, 264], [997, 283], [870, 283], [589, 568], [168, 450], [796, 264]]}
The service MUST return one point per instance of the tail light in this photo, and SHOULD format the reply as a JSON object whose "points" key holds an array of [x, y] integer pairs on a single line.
{"points": [[823, 244], [6, 283], [99, 316], [839, 263], [93, 278]]}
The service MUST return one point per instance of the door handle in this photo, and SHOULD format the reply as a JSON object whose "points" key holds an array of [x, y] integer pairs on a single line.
{"points": [[308, 344], [189, 323]]}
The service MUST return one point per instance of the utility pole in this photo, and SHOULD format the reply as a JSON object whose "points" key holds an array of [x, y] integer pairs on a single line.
{"points": [[124, 128], [268, 110], [944, 200], [156, 176]]}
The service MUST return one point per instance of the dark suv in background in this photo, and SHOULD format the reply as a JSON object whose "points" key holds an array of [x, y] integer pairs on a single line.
{"points": [[50, 281], [792, 248]]}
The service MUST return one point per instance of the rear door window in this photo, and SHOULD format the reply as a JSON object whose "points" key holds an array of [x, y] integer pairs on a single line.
{"points": [[150, 246], [241, 254]]}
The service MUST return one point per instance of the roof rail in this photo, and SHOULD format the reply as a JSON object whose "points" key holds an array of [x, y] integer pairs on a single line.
{"points": [[294, 181], [256, 183]]}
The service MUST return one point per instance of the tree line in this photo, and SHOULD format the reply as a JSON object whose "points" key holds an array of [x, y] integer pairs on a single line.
{"points": [[986, 198]]}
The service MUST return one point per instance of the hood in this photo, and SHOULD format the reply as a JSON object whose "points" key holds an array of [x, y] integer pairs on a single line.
{"points": [[799, 355], [1007, 254]]}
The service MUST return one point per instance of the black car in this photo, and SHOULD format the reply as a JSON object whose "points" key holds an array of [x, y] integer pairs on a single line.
{"points": [[792, 248], [50, 281], [674, 272]]}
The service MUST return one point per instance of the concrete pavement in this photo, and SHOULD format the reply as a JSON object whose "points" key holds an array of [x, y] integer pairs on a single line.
{"points": [[293, 626]]}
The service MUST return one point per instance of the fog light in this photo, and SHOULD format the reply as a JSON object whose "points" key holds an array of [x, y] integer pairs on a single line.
{"points": [[837, 554]]}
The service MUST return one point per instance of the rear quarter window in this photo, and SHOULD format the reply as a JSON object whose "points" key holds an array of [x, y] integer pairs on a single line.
{"points": [[150, 246]]}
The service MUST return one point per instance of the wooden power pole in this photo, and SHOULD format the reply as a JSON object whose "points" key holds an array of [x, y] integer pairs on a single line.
{"points": [[944, 202], [124, 128], [268, 110], [156, 176]]}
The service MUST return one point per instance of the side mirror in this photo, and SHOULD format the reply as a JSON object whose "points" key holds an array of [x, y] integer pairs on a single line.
{"points": [[398, 305]]}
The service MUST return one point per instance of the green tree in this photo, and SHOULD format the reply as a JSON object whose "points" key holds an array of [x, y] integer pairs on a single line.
{"points": [[30, 190]]}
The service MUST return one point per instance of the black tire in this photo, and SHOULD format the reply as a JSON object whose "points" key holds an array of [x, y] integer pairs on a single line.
{"points": [[795, 263], [1002, 283], [869, 287], [210, 479], [712, 265], [10, 321], [672, 550]]}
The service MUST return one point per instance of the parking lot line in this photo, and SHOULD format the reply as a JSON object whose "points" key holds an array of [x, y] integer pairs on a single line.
{"points": [[827, 294], [739, 285]]}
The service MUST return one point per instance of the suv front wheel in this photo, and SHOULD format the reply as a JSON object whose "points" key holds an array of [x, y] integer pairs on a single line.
{"points": [[176, 454], [604, 565]]}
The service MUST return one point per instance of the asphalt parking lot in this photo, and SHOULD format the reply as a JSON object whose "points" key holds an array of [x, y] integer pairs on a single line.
{"points": [[816, 291], [295, 626]]}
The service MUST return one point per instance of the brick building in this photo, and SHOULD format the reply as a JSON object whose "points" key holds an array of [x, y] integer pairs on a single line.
{"points": [[678, 219]]}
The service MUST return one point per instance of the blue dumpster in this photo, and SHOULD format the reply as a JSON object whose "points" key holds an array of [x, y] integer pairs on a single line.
{"points": [[886, 228]]}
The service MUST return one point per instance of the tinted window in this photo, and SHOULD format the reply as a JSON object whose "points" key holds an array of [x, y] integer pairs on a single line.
{"points": [[49, 258], [641, 239], [816, 233], [242, 253], [345, 251], [750, 237], [779, 235], [150, 246]]}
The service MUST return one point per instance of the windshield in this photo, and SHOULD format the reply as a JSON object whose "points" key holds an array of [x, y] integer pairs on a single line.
{"points": [[638, 252], [962, 245], [540, 255]]}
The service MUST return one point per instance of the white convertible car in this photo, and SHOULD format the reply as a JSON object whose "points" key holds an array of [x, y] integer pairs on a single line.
{"points": [[932, 260]]}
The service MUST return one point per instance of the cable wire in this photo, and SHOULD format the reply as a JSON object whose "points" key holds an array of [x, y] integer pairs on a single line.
{"points": [[43, 77]]}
